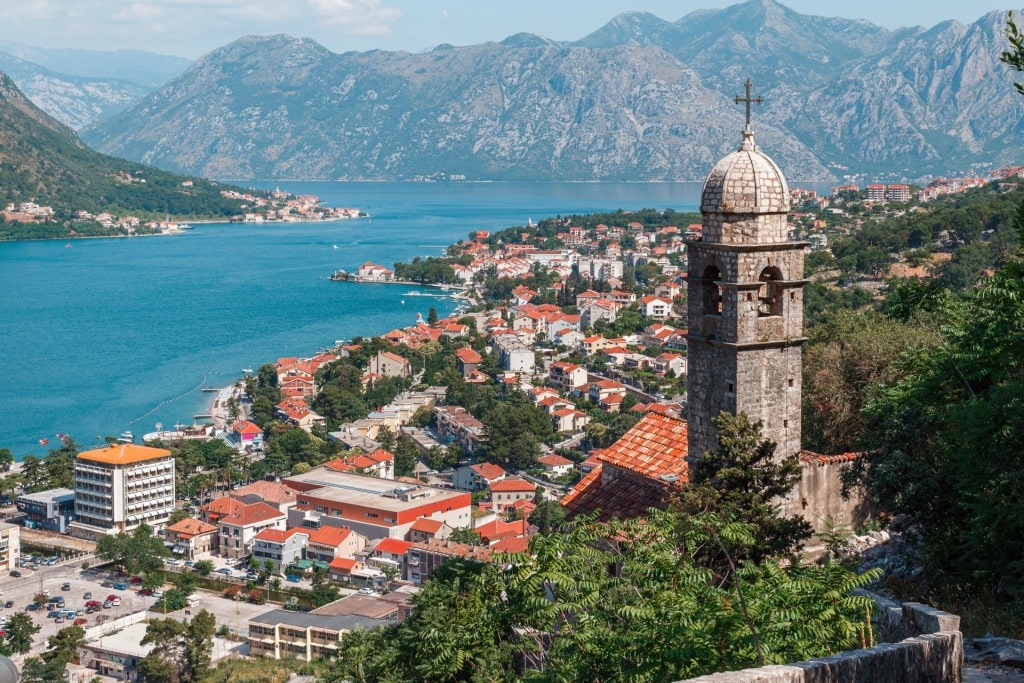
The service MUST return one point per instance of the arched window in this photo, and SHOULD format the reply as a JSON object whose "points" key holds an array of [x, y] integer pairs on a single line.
{"points": [[769, 296], [711, 291]]}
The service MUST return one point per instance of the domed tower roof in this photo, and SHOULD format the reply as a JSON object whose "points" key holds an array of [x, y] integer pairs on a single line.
{"points": [[745, 182], [8, 671]]}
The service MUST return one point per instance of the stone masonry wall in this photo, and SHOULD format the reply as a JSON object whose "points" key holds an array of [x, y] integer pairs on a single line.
{"points": [[931, 651]]}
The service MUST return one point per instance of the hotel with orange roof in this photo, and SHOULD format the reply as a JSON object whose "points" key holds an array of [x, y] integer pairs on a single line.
{"points": [[121, 486]]}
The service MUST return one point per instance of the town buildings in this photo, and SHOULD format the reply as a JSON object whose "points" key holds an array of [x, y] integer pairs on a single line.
{"points": [[10, 546], [53, 509], [121, 486]]}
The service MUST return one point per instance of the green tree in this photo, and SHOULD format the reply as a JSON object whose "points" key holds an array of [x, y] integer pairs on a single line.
{"points": [[464, 534], [746, 480], [203, 567], [63, 646], [20, 632], [6, 459], [35, 670], [177, 515], [406, 452], [140, 551], [323, 589], [185, 582], [1014, 56], [548, 516]]}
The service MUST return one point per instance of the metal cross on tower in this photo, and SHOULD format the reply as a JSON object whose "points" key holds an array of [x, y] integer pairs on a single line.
{"points": [[749, 100]]}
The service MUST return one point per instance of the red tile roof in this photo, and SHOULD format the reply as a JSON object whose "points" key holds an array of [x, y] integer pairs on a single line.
{"points": [[395, 546], [818, 459], [224, 506], [270, 491], [252, 514], [280, 535], [332, 536], [656, 446], [426, 526], [191, 527], [489, 470], [513, 485], [343, 563]]}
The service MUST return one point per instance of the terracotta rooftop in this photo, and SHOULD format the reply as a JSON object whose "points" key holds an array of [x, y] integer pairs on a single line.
{"points": [[426, 526], [513, 484], [395, 546], [656, 446], [280, 535], [811, 457], [225, 505], [191, 527], [330, 535], [269, 491], [625, 497], [123, 454], [252, 514], [489, 470]]}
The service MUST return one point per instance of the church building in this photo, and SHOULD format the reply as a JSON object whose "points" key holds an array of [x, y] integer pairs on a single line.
{"points": [[745, 339]]}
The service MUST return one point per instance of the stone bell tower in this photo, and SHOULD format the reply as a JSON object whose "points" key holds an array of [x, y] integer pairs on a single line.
{"points": [[745, 288]]}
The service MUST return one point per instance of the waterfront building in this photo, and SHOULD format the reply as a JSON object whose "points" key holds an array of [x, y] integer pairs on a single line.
{"points": [[53, 510], [10, 546], [121, 486]]}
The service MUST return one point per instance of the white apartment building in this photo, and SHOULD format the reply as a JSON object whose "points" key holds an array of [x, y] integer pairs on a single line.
{"points": [[121, 486], [10, 546]]}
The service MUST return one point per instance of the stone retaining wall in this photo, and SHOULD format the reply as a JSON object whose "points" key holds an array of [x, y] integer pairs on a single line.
{"points": [[930, 650]]}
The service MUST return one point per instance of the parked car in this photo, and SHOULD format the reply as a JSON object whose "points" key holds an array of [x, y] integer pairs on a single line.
{"points": [[59, 619], [225, 570], [87, 596], [251, 575], [32, 607], [93, 603], [65, 586], [111, 597], [120, 586], [81, 622], [15, 573], [230, 561], [158, 593], [116, 602], [293, 578], [146, 591], [135, 579], [107, 604], [9, 604], [53, 614]]}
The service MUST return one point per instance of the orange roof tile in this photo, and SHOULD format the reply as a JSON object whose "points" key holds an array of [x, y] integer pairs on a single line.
{"points": [[426, 526], [489, 470], [395, 546], [280, 535], [656, 446], [330, 535], [124, 454], [513, 485], [343, 563], [270, 491], [251, 514], [224, 506], [191, 527]]}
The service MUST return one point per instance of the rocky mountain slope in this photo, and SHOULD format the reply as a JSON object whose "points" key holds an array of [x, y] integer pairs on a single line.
{"points": [[640, 99], [43, 161]]}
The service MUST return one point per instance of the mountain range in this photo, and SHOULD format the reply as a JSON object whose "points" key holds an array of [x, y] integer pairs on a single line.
{"points": [[639, 99]]}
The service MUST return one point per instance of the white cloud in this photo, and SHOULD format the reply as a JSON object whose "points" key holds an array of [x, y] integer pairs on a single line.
{"points": [[361, 16]]}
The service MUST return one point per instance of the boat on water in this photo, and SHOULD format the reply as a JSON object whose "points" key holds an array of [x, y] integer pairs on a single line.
{"points": [[126, 437], [209, 389]]}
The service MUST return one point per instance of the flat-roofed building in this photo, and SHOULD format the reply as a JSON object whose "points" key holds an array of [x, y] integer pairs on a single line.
{"points": [[282, 634], [372, 507], [53, 509], [121, 486]]}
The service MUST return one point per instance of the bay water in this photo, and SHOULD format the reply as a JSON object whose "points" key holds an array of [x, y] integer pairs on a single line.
{"points": [[99, 336]]}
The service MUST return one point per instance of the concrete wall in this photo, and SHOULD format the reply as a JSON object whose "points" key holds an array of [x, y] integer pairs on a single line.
{"points": [[931, 651], [819, 494]]}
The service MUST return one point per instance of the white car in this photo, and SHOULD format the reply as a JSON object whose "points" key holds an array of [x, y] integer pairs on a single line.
{"points": [[230, 561], [158, 593]]}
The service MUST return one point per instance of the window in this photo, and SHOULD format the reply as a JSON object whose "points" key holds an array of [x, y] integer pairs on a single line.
{"points": [[371, 515], [769, 296], [711, 291]]}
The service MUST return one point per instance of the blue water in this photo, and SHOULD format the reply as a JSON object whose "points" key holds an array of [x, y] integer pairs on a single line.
{"points": [[107, 335]]}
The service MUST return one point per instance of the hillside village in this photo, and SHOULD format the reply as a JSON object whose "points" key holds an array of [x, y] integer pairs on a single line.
{"points": [[556, 389]]}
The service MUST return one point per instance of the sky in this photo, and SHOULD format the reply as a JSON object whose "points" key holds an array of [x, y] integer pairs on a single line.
{"points": [[191, 28]]}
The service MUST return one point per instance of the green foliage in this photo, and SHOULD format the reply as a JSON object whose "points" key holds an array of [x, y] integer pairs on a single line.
{"points": [[62, 647], [406, 452], [848, 355], [548, 516], [745, 479], [203, 567], [181, 651], [623, 601], [172, 600], [1014, 57], [465, 535], [20, 631], [514, 430], [140, 551], [323, 589], [945, 437]]}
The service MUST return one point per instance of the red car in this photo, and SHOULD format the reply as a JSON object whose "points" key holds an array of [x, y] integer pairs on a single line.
{"points": [[146, 591], [94, 603], [81, 621], [136, 579], [113, 597]]}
